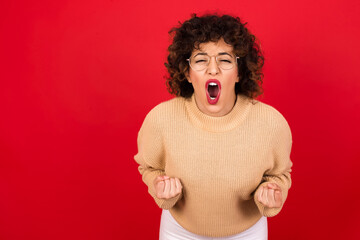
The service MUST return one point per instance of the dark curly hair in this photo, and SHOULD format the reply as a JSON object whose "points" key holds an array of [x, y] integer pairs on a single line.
{"points": [[211, 28]]}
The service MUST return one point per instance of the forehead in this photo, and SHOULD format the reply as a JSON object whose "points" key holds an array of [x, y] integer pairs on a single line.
{"points": [[212, 48]]}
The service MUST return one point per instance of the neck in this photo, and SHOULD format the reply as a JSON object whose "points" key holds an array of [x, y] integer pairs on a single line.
{"points": [[216, 113], [226, 122]]}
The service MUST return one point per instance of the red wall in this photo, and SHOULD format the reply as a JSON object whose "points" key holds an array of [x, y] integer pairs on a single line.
{"points": [[78, 77]]}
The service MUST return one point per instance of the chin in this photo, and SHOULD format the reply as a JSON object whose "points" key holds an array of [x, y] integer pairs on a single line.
{"points": [[214, 109]]}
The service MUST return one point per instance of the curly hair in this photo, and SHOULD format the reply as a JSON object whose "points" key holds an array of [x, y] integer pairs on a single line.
{"points": [[211, 28]]}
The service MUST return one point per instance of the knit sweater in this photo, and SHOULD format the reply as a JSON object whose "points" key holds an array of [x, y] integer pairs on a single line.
{"points": [[220, 161]]}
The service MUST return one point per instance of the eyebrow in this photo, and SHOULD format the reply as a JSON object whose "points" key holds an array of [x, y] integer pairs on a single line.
{"points": [[220, 54]]}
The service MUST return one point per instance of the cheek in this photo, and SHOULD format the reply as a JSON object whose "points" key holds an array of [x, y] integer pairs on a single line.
{"points": [[236, 76], [195, 78], [193, 75], [232, 78]]}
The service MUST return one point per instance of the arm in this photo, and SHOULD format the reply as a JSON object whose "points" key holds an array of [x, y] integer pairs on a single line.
{"points": [[278, 177], [150, 158]]}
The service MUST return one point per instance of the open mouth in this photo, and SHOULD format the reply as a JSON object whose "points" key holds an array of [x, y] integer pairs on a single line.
{"points": [[213, 89]]}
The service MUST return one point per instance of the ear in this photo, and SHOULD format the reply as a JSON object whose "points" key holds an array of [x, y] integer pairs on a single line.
{"points": [[187, 75], [237, 79]]}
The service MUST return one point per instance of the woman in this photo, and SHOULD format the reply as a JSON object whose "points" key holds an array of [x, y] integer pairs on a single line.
{"points": [[216, 160]]}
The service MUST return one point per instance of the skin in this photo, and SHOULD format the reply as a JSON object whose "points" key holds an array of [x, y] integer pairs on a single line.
{"points": [[227, 78], [270, 195], [168, 187]]}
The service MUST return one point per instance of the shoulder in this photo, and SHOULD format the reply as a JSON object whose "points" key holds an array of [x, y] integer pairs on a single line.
{"points": [[270, 116], [171, 104], [165, 111]]}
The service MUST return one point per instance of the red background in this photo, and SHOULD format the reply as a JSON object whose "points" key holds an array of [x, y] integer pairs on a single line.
{"points": [[78, 77]]}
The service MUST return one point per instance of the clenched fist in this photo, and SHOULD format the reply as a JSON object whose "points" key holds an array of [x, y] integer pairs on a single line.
{"points": [[166, 187], [270, 195]]}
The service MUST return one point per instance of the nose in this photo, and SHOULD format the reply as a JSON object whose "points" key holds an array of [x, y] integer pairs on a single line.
{"points": [[213, 67]]}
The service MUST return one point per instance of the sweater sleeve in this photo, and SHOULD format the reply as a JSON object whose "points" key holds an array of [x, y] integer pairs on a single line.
{"points": [[280, 171], [150, 158]]}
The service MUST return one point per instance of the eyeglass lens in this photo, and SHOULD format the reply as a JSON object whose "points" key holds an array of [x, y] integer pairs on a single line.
{"points": [[200, 62]]}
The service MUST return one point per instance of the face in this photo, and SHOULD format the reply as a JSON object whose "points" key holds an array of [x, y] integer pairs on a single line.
{"points": [[214, 88]]}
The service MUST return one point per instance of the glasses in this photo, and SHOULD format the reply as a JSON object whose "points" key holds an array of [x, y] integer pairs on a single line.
{"points": [[201, 61]]}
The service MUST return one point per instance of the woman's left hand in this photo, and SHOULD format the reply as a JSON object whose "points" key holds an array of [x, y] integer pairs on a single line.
{"points": [[270, 195]]}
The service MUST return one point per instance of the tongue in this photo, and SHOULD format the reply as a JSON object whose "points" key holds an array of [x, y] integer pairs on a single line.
{"points": [[213, 91]]}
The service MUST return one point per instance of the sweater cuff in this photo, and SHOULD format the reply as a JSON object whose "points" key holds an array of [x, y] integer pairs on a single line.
{"points": [[166, 203]]}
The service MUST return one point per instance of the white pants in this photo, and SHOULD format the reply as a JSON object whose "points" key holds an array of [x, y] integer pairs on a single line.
{"points": [[171, 230]]}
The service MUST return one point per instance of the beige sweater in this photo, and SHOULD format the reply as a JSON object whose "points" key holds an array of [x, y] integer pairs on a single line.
{"points": [[220, 161]]}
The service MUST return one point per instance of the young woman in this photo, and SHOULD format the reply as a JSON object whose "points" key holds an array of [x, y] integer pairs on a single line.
{"points": [[216, 160]]}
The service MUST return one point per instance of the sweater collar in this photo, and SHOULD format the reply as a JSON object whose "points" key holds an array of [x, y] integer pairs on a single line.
{"points": [[218, 124]]}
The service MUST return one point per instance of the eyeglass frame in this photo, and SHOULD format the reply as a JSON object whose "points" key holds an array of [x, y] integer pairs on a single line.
{"points": [[216, 60]]}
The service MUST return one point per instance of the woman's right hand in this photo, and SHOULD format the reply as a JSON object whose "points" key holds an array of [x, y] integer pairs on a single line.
{"points": [[167, 187]]}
